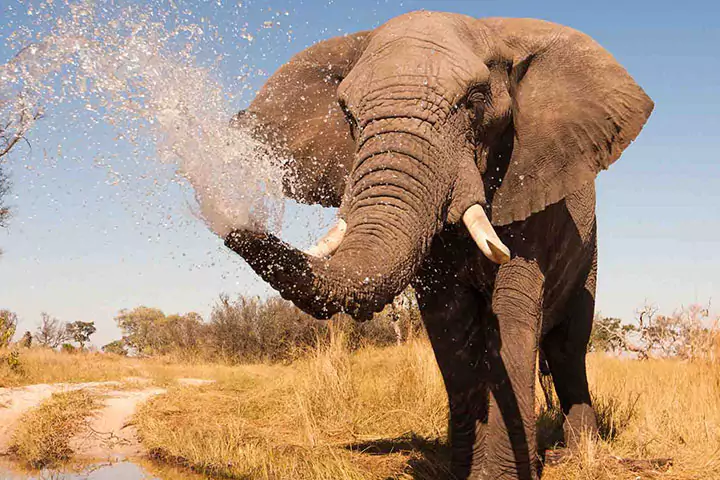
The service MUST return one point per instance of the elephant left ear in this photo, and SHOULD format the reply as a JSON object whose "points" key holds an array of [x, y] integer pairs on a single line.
{"points": [[298, 109], [575, 109]]}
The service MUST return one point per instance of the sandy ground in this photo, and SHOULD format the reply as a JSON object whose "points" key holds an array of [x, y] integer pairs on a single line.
{"points": [[110, 436]]}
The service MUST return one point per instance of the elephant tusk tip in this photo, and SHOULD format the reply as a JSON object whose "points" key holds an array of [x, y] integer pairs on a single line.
{"points": [[500, 253], [484, 235]]}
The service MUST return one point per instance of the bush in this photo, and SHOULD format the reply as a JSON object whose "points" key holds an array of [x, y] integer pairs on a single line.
{"points": [[249, 329], [26, 340], [117, 348], [43, 436], [11, 360], [148, 331]]}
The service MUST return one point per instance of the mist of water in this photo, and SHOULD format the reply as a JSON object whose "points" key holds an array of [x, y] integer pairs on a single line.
{"points": [[139, 75]]}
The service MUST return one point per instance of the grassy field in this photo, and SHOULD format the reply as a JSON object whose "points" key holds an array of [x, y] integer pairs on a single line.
{"points": [[40, 365], [381, 413]]}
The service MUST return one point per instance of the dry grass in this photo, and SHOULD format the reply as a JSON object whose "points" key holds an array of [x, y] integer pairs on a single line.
{"points": [[43, 435], [381, 413], [651, 409], [41, 365], [325, 417]]}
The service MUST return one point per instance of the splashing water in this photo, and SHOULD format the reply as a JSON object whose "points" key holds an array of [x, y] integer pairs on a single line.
{"points": [[139, 76]]}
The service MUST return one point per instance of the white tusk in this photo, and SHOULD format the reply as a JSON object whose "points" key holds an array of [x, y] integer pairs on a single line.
{"points": [[484, 235], [330, 242]]}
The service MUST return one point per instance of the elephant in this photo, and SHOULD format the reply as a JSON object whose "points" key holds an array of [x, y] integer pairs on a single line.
{"points": [[461, 154]]}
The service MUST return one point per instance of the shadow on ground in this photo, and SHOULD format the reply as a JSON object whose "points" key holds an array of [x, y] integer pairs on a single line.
{"points": [[427, 459]]}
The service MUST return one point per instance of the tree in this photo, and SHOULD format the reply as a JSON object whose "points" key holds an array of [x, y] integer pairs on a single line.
{"points": [[140, 329], [688, 333], [4, 189], [609, 335], [8, 325], [51, 332], [26, 341], [80, 332], [12, 131]]}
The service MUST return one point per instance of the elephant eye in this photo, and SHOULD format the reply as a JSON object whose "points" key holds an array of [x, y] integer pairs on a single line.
{"points": [[478, 95], [348, 117], [476, 101]]}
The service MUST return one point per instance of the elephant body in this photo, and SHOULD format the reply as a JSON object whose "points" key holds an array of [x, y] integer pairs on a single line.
{"points": [[462, 154], [485, 324]]}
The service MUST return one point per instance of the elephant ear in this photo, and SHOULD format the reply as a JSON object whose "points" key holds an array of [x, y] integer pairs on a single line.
{"points": [[574, 110], [298, 109]]}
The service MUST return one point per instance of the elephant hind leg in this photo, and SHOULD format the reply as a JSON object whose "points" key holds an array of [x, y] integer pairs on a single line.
{"points": [[565, 349]]}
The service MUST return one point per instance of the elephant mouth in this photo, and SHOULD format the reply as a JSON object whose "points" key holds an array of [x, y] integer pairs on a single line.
{"points": [[475, 220]]}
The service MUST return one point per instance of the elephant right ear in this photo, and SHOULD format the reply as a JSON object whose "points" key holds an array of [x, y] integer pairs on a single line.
{"points": [[298, 108], [574, 110]]}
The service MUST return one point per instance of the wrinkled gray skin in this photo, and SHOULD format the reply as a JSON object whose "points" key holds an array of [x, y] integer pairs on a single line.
{"points": [[404, 128]]}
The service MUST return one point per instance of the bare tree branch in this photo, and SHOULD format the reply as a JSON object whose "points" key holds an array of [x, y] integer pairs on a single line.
{"points": [[11, 133]]}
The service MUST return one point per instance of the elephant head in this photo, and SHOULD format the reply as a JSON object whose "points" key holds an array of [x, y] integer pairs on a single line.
{"points": [[429, 120]]}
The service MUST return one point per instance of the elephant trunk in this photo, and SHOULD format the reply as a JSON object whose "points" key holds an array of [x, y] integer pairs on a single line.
{"points": [[393, 213]]}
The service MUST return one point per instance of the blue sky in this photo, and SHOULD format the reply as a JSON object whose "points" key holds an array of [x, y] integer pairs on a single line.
{"points": [[82, 249]]}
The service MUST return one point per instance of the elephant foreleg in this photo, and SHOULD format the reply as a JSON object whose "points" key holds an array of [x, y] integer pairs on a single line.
{"points": [[453, 317], [517, 309]]}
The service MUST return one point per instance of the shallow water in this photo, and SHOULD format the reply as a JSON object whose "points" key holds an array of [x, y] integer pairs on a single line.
{"points": [[130, 470]]}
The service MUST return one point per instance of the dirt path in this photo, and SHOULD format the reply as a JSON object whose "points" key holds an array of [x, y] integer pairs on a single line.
{"points": [[109, 437]]}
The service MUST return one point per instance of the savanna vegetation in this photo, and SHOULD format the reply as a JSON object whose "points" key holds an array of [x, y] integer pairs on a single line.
{"points": [[380, 413], [295, 398], [253, 330]]}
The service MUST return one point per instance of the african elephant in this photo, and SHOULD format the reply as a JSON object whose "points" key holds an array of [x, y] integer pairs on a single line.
{"points": [[461, 153]]}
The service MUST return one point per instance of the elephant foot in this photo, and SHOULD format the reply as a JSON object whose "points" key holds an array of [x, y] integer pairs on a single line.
{"points": [[580, 423]]}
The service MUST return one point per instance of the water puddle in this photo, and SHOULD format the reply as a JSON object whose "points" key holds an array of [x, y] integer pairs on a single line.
{"points": [[126, 470]]}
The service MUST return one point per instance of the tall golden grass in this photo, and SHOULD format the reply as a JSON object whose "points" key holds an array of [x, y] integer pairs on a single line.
{"points": [[331, 415], [381, 413]]}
